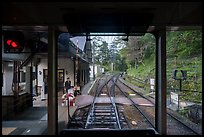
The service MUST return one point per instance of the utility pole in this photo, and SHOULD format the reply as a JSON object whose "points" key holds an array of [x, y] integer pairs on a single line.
{"points": [[77, 65], [93, 60], [76, 87]]}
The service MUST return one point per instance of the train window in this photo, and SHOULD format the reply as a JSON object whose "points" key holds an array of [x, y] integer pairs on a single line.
{"points": [[119, 58], [184, 88]]}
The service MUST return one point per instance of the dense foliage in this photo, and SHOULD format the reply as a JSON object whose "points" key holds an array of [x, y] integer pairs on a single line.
{"points": [[105, 55], [137, 57], [184, 52]]}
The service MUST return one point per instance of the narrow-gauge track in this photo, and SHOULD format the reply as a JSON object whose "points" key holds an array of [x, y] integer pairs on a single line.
{"points": [[103, 115], [106, 113], [117, 89], [168, 113], [137, 107]]}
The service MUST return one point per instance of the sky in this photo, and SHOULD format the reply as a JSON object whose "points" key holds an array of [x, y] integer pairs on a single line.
{"points": [[82, 39], [108, 39], [79, 41]]}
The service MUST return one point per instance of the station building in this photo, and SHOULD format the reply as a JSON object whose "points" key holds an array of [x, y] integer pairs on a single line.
{"points": [[25, 74]]}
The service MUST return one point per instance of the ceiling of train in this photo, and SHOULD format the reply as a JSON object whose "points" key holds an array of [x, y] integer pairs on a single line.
{"points": [[103, 17]]}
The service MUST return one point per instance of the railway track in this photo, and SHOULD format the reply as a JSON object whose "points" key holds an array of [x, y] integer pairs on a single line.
{"points": [[108, 114], [103, 115], [170, 115]]}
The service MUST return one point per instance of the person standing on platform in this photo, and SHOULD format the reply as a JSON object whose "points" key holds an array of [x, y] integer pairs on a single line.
{"points": [[67, 85]]}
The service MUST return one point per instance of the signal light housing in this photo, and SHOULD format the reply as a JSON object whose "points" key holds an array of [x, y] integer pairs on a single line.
{"points": [[13, 41]]}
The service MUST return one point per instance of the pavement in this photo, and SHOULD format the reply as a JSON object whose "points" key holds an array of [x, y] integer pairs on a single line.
{"points": [[83, 100], [30, 122], [86, 88]]}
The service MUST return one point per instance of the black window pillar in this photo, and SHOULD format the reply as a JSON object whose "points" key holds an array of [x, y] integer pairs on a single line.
{"points": [[160, 94], [52, 82]]}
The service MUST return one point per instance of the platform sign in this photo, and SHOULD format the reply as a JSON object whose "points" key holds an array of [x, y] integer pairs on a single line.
{"points": [[174, 98], [152, 84], [102, 70]]}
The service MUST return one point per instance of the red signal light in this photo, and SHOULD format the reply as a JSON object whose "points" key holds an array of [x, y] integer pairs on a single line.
{"points": [[9, 42], [12, 43]]}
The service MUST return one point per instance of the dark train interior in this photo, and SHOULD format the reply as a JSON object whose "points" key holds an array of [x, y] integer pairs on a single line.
{"points": [[48, 24]]}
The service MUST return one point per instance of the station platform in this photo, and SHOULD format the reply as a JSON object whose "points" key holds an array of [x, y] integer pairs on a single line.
{"points": [[33, 121]]}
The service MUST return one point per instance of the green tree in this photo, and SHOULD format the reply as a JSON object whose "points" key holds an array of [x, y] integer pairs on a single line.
{"points": [[184, 43], [101, 52], [134, 51], [120, 63]]}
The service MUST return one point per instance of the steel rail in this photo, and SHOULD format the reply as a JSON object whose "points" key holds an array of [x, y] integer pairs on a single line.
{"points": [[137, 92], [92, 108], [136, 106], [195, 132], [114, 105]]}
